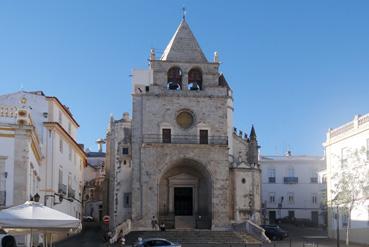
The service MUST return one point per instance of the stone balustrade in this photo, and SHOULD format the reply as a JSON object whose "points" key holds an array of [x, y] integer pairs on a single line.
{"points": [[8, 111], [357, 122]]}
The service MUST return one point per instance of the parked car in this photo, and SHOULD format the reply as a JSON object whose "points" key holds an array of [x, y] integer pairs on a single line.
{"points": [[2, 234], [158, 242], [274, 232], [295, 221], [88, 218]]}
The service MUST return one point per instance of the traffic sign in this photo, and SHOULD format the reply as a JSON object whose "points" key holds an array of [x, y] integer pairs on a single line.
{"points": [[106, 219]]}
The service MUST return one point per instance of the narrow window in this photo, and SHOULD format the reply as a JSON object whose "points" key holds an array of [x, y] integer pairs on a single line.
{"points": [[204, 138], [167, 136], [291, 172], [272, 197], [125, 151], [70, 153], [314, 199], [2, 182], [127, 200], [61, 145], [70, 185], [60, 119], [69, 128], [61, 186], [344, 156], [291, 198], [271, 175]]}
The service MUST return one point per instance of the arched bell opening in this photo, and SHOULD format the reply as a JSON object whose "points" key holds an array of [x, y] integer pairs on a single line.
{"points": [[195, 79], [174, 81]]}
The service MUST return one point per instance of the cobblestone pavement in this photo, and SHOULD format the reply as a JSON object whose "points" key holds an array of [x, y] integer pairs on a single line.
{"points": [[91, 236]]}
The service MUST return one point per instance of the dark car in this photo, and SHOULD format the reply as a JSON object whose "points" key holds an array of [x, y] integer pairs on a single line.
{"points": [[158, 242], [274, 232]]}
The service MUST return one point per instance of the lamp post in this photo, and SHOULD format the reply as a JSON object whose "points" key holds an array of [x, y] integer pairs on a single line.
{"points": [[338, 226]]}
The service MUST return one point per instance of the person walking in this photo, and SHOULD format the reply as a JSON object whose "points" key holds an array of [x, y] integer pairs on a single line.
{"points": [[154, 223]]}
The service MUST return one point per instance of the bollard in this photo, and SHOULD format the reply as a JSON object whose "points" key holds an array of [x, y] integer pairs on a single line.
{"points": [[290, 242]]}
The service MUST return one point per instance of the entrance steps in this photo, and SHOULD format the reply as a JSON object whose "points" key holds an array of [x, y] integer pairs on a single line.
{"points": [[203, 238], [184, 222]]}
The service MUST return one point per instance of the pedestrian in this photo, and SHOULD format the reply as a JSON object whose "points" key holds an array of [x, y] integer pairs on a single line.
{"points": [[154, 223], [162, 227], [8, 241]]}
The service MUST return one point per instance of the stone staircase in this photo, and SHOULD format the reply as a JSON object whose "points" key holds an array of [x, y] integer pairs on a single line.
{"points": [[201, 238]]}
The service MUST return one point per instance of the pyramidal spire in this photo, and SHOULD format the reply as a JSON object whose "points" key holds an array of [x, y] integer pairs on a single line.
{"points": [[253, 133], [183, 46]]}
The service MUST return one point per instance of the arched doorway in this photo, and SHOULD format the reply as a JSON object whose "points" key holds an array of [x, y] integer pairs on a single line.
{"points": [[185, 196]]}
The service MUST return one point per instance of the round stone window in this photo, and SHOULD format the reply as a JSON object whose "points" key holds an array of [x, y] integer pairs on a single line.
{"points": [[185, 119]]}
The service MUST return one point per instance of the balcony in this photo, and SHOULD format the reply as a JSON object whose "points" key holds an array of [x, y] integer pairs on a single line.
{"points": [[71, 193], [62, 189], [185, 139], [291, 180], [271, 180]]}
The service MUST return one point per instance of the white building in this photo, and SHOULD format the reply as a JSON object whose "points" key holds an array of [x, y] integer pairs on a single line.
{"points": [[39, 153], [291, 188], [347, 152], [94, 176]]}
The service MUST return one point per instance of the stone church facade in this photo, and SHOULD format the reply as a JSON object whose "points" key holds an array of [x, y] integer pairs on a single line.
{"points": [[178, 158]]}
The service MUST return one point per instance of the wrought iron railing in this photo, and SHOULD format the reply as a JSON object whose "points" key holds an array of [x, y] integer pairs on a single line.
{"points": [[185, 139], [291, 180]]}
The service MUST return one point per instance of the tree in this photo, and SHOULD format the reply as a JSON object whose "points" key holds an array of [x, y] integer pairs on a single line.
{"points": [[350, 183]]}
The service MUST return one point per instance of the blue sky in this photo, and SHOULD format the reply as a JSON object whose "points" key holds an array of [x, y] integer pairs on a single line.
{"points": [[296, 68]]}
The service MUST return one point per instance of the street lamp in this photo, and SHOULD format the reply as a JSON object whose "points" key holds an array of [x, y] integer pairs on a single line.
{"points": [[338, 227], [36, 198], [60, 197]]}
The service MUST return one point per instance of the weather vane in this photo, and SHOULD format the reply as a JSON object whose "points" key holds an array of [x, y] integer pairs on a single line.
{"points": [[183, 12]]}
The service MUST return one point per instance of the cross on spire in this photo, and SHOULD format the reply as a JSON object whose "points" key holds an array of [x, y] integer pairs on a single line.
{"points": [[183, 12]]}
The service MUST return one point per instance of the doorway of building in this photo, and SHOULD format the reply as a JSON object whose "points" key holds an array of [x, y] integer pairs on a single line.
{"points": [[183, 201], [272, 217], [315, 217]]}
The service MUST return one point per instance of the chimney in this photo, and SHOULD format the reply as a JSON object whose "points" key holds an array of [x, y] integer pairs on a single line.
{"points": [[100, 143]]}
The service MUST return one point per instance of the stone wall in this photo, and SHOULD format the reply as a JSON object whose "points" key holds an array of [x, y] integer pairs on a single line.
{"points": [[159, 158]]}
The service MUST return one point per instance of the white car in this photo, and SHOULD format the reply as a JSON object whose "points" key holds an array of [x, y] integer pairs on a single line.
{"points": [[158, 242], [2, 234]]}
